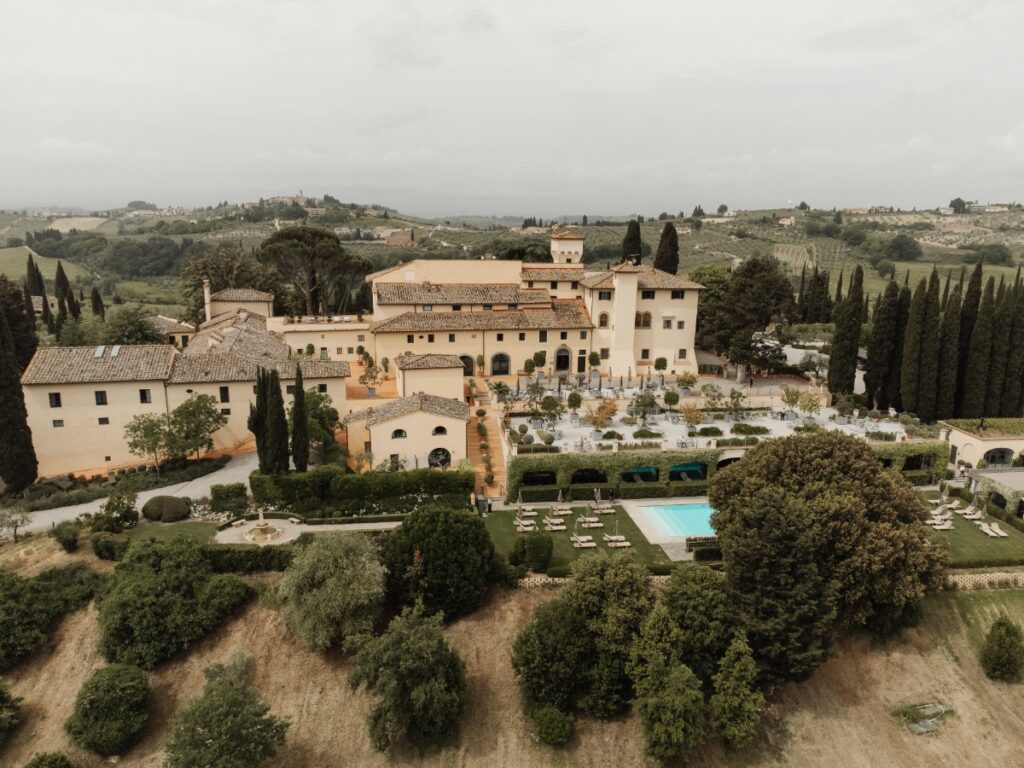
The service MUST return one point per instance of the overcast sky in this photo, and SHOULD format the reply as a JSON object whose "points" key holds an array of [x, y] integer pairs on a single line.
{"points": [[546, 108]]}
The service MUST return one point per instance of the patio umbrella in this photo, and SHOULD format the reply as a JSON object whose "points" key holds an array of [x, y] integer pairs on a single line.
{"points": [[519, 499], [559, 495], [597, 494]]}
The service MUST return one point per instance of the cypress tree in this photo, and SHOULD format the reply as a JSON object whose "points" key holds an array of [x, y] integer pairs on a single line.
{"points": [[929, 363], [98, 310], [881, 345], [892, 386], [949, 357], [18, 464], [258, 421], [1011, 399], [838, 301], [864, 315], [631, 243], [33, 279], [980, 358], [1001, 327], [736, 703], [910, 368], [667, 257], [21, 324], [968, 317], [945, 291], [276, 425], [842, 367], [800, 298], [874, 307], [300, 425]]}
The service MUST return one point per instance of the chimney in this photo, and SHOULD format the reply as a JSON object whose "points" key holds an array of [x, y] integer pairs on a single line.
{"points": [[206, 296]]}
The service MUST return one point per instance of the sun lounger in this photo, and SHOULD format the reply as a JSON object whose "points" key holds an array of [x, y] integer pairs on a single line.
{"points": [[954, 504], [969, 511], [942, 526], [294, 520], [561, 508], [581, 537], [555, 528], [999, 531], [553, 521], [593, 525], [987, 530], [526, 524], [584, 544], [619, 544], [528, 513], [588, 519], [526, 529], [610, 537], [599, 505]]}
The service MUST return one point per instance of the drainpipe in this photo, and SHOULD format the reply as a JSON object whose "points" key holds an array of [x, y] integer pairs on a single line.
{"points": [[206, 297]]}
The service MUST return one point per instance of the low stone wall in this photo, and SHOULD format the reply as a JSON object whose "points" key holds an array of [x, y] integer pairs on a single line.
{"points": [[993, 580]]}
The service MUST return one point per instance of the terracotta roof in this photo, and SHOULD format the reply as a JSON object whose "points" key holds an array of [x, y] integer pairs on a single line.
{"points": [[459, 293], [81, 365], [566, 234], [241, 294], [649, 279], [439, 406], [170, 325], [546, 274], [37, 303], [427, 361], [381, 272], [562, 314], [226, 366], [239, 332]]}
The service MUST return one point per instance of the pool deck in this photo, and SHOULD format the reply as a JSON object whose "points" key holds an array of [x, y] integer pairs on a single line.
{"points": [[674, 546]]}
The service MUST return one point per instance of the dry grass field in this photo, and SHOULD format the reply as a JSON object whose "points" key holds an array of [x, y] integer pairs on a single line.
{"points": [[841, 717], [81, 223]]}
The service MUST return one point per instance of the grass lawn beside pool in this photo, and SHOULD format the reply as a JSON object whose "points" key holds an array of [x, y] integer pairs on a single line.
{"points": [[968, 545], [199, 530], [501, 526], [979, 609]]}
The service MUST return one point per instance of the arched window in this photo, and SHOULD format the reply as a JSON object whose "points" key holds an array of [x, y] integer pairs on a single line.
{"points": [[642, 320], [440, 431], [398, 433], [602, 320]]}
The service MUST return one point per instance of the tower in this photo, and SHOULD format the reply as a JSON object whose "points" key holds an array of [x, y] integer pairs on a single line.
{"points": [[566, 246]]}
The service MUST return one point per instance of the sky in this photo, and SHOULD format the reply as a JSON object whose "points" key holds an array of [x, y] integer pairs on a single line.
{"points": [[517, 108]]}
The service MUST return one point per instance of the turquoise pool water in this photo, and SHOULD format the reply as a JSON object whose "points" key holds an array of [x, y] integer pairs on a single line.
{"points": [[683, 519]]}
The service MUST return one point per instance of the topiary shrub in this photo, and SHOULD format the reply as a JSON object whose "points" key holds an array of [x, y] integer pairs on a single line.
{"points": [[111, 710], [1002, 656], [642, 433], [10, 715], [166, 509], [527, 439], [66, 534], [709, 432], [522, 429], [109, 546], [49, 760], [553, 726], [537, 552], [230, 498], [480, 413]]}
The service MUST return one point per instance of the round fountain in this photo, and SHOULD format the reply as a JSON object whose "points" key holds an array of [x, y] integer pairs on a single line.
{"points": [[262, 532]]}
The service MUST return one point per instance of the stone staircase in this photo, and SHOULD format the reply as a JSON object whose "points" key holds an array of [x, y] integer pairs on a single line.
{"points": [[473, 452]]}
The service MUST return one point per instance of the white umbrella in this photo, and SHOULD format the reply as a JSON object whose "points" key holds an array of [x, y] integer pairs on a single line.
{"points": [[519, 499], [597, 494], [559, 495]]}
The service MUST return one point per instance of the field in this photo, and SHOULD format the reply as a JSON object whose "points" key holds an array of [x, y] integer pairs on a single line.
{"points": [[842, 716], [193, 529], [81, 223], [12, 264]]}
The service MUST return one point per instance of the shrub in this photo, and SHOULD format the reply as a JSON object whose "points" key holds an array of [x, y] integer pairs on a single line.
{"points": [[66, 534], [670, 706], [229, 726], [333, 591], [611, 434], [1002, 656], [111, 710], [522, 429], [166, 509], [230, 498], [645, 433], [121, 507], [10, 714], [553, 726], [709, 432], [49, 760], [881, 436], [749, 429], [537, 553], [489, 478], [480, 413], [527, 440], [547, 438], [109, 546]]}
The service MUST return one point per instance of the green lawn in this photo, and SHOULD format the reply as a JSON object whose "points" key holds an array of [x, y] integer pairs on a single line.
{"points": [[501, 526], [12, 264], [969, 545], [978, 609], [195, 529]]}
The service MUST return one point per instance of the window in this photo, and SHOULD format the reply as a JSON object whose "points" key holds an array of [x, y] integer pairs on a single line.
{"points": [[55, 399], [451, 337], [340, 350], [103, 420], [529, 284], [456, 307], [500, 337], [563, 335], [642, 320], [428, 307], [351, 351], [225, 395], [440, 431], [101, 397], [513, 306], [488, 307], [361, 337], [323, 354], [226, 411], [145, 396], [409, 339], [398, 434], [666, 324], [430, 338], [681, 355], [522, 337], [645, 354], [575, 284], [678, 294], [680, 324], [543, 335], [321, 388], [554, 285], [604, 295], [646, 294], [254, 389], [290, 389], [58, 423], [583, 334], [604, 353], [602, 320]]}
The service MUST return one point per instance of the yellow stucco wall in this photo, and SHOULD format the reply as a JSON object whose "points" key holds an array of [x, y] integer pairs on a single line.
{"points": [[443, 382]]}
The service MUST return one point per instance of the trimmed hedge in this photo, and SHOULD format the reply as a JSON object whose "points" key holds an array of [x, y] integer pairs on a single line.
{"points": [[362, 519], [109, 546], [230, 498], [166, 509], [223, 558]]}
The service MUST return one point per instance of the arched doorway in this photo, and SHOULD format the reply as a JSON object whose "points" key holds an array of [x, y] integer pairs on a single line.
{"points": [[999, 457], [563, 360], [500, 365], [467, 365], [440, 457]]}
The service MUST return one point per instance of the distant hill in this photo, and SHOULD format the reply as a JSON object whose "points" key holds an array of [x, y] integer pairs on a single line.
{"points": [[12, 264]]}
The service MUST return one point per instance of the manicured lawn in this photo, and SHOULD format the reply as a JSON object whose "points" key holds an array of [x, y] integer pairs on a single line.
{"points": [[501, 526], [968, 545], [978, 609], [195, 529]]}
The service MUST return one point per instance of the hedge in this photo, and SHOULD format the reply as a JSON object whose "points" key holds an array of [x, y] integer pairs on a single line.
{"points": [[232, 498], [109, 546], [362, 519], [223, 558], [166, 509]]}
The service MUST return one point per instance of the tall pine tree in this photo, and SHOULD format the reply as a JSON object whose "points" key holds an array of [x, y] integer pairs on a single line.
{"points": [[949, 357], [928, 372], [1001, 327], [968, 317], [801, 298], [842, 367], [1011, 399], [881, 345], [972, 406], [21, 323], [667, 257], [838, 302], [910, 370], [300, 425], [277, 426], [18, 464], [892, 385], [258, 421], [98, 309], [631, 243]]}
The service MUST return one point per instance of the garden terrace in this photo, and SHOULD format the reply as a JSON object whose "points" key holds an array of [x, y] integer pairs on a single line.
{"points": [[997, 427]]}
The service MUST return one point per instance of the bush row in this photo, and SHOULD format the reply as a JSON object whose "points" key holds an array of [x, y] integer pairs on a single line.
{"points": [[223, 558], [541, 493]]}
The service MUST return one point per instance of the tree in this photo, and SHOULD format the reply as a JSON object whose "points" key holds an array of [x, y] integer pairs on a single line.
{"points": [[312, 260], [229, 726], [18, 464], [800, 560], [672, 712], [903, 247], [96, 300], [979, 358], [968, 319], [21, 322], [723, 209], [10, 712], [267, 421], [958, 205], [791, 396], [300, 425], [225, 267], [657, 645], [111, 710], [842, 367], [49, 760], [419, 682], [552, 408], [148, 435], [670, 398], [715, 279], [333, 591], [667, 257], [661, 365], [1002, 656], [697, 600], [441, 556], [600, 415], [1012, 386], [131, 325], [631, 243], [549, 653], [193, 424], [881, 345], [1001, 326], [928, 370], [910, 371], [574, 401], [736, 703], [893, 383], [809, 403], [949, 358]]}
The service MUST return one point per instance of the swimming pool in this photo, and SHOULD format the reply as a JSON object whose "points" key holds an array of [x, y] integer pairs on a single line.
{"points": [[682, 519]]}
